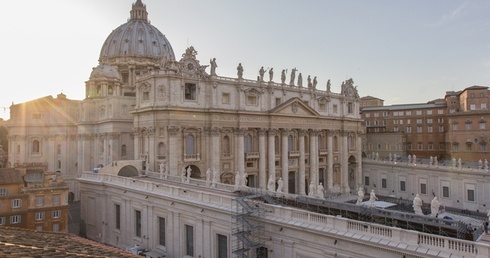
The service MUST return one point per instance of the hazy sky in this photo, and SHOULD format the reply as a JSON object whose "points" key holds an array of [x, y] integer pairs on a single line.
{"points": [[399, 51]]}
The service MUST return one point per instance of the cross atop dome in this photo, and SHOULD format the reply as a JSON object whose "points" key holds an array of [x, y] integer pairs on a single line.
{"points": [[138, 12]]}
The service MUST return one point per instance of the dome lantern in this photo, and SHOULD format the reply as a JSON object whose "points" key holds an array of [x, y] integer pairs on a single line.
{"points": [[138, 12]]}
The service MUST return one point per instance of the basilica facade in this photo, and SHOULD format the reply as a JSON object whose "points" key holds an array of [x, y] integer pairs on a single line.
{"points": [[173, 113]]}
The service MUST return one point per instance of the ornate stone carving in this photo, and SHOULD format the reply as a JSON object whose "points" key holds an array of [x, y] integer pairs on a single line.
{"points": [[313, 132], [173, 130], [215, 131], [262, 131], [240, 131], [161, 91], [294, 107], [272, 131], [302, 132]]}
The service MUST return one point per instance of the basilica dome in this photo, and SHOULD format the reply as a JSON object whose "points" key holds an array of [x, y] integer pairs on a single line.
{"points": [[136, 41]]}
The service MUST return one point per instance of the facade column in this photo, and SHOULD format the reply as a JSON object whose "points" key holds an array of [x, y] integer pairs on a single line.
{"points": [[215, 148], [359, 158], [329, 185], [301, 179], [152, 151], [174, 154], [262, 157], [314, 156], [137, 144], [284, 159], [272, 153], [344, 166], [240, 149]]}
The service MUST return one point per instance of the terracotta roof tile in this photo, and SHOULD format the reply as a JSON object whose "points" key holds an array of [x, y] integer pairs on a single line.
{"points": [[16, 242]]}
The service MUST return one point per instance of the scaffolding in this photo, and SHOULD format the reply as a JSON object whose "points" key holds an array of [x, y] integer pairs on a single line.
{"points": [[248, 230]]}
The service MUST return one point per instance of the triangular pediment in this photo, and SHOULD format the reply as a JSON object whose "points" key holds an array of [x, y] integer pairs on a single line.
{"points": [[295, 107]]}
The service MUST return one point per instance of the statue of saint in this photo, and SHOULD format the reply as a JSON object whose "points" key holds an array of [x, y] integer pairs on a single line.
{"points": [[315, 82], [189, 171], [261, 74], [280, 185], [328, 86], [293, 76], [213, 66], [237, 179], [360, 196], [208, 177], [459, 163], [283, 76], [300, 80], [320, 191], [215, 178], [372, 198], [434, 207], [271, 74], [417, 205], [244, 179], [309, 82], [480, 164], [271, 184], [182, 175], [240, 71], [311, 193], [409, 158]]}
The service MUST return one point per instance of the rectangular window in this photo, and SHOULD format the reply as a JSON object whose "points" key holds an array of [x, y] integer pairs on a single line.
{"points": [[429, 112], [190, 91], [16, 203], [376, 114], [161, 231], [420, 146], [118, 215], [146, 96], [402, 186], [335, 108], [445, 191], [368, 123], [395, 129], [368, 115], [468, 126], [441, 128], [408, 121], [482, 125], [366, 180], [429, 120], [472, 106], [4, 192], [252, 100], [323, 107], [189, 240], [455, 147], [440, 111], [39, 216], [430, 146], [455, 127], [2, 221], [56, 227], [350, 108], [137, 222], [429, 129], [483, 106], [383, 183], [15, 219], [56, 200], [409, 129], [222, 246], [418, 112], [483, 147], [471, 195], [409, 145], [39, 201], [440, 120], [408, 113], [226, 98], [278, 101], [423, 188], [419, 121], [56, 214], [419, 128]]}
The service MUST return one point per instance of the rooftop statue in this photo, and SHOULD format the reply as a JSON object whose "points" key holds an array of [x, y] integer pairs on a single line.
{"points": [[213, 66], [293, 76], [240, 71]]}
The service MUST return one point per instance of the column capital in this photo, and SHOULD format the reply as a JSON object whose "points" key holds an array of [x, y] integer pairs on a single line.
{"points": [[215, 131], [240, 131], [285, 131], [302, 132], [314, 132], [262, 131], [272, 131]]}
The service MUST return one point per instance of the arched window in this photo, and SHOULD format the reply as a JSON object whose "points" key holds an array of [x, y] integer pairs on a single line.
{"points": [[226, 145], [189, 145], [276, 144], [307, 145], [320, 142], [58, 149], [290, 143], [123, 150], [35, 147], [248, 143], [335, 144]]}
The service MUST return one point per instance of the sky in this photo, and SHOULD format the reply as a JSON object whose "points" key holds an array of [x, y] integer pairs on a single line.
{"points": [[399, 51]]}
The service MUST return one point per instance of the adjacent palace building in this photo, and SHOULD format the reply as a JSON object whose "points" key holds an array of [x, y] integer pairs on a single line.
{"points": [[168, 156]]}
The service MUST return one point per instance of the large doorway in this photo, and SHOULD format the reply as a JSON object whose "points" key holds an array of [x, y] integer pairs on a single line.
{"points": [[292, 182]]}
